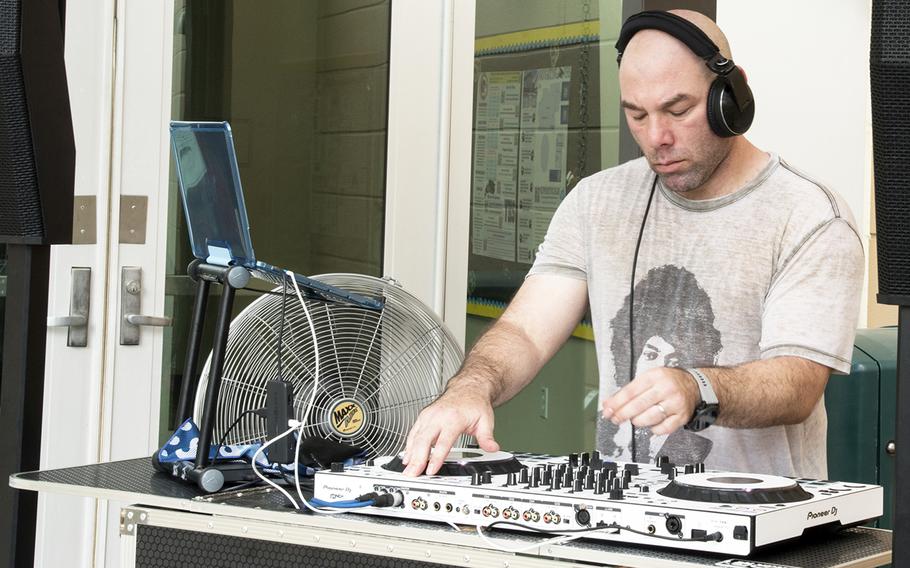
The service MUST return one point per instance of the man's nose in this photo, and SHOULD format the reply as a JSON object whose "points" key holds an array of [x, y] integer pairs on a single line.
{"points": [[660, 133]]}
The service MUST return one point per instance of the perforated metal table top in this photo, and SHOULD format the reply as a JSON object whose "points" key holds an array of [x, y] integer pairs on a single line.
{"points": [[136, 482]]}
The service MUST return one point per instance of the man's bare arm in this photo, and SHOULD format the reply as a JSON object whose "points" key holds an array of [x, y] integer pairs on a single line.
{"points": [[506, 358], [758, 394]]}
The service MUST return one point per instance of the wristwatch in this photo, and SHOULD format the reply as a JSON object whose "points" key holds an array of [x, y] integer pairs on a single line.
{"points": [[705, 411]]}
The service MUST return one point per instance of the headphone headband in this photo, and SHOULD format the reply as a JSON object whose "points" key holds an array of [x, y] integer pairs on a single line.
{"points": [[680, 28], [731, 105]]}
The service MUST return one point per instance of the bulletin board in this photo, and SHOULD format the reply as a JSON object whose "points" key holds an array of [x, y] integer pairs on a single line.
{"points": [[535, 134]]}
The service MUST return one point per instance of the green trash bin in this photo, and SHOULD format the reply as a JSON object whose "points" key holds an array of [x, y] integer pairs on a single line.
{"points": [[861, 410]]}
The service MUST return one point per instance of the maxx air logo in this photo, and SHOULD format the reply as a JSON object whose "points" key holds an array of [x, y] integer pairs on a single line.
{"points": [[347, 417]]}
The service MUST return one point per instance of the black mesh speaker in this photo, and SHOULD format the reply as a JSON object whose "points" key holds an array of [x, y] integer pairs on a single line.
{"points": [[37, 152], [890, 74]]}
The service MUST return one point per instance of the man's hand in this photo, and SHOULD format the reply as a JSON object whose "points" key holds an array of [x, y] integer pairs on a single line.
{"points": [[663, 398], [460, 410]]}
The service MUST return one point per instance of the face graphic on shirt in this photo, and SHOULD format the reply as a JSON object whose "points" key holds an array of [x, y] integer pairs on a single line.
{"points": [[674, 327]]}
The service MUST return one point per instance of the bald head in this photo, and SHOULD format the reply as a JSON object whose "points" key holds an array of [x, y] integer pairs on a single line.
{"points": [[664, 87], [707, 25]]}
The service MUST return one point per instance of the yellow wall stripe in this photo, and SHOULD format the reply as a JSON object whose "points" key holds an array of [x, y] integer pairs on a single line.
{"points": [[542, 35]]}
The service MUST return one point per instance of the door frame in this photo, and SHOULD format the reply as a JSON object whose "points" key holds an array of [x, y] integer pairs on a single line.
{"points": [[119, 60]]}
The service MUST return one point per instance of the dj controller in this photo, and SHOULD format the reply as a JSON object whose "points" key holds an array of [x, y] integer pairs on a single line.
{"points": [[664, 504]]}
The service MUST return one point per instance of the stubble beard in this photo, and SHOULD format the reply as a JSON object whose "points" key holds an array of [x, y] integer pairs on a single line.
{"points": [[699, 171]]}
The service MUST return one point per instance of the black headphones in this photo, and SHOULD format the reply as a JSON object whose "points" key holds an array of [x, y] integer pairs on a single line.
{"points": [[731, 105]]}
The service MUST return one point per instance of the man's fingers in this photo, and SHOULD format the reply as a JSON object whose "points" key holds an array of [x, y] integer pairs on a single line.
{"points": [[440, 451], [655, 414], [636, 406], [669, 425], [419, 452], [484, 436]]}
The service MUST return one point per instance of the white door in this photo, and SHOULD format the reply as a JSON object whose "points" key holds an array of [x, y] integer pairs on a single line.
{"points": [[129, 73], [101, 400]]}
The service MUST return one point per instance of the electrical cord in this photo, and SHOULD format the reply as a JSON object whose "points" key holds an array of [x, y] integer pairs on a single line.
{"points": [[233, 425], [641, 232], [715, 536], [284, 303]]}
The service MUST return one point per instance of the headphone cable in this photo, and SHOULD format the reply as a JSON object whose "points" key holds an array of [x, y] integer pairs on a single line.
{"points": [[641, 231]]}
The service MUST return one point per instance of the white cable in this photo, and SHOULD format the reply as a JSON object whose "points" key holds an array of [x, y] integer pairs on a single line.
{"points": [[549, 542], [264, 478], [309, 407]]}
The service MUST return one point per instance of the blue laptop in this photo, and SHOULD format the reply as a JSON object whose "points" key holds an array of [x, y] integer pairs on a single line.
{"points": [[209, 181]]}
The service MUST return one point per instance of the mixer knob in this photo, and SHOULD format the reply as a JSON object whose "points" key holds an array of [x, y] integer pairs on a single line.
{"points": [[573, 460], [689, 468], [579, 485], [661, 460], [667, 466], [632, 467], [700, 467], [589, 480], [644, 488], [510, 479], [671, 474], [487, 477], [476, 478], [616, 494], [523, 476], [599, 487], [557, 482], [585, 458]]}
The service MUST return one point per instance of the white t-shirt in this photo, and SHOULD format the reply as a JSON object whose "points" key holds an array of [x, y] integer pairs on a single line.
{"points": [[774, 268]]}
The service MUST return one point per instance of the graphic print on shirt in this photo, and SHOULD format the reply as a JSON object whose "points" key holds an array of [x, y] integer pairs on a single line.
{"points": [[674, 327]]}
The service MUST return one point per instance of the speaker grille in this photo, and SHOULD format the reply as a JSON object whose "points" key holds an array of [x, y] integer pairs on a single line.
{"points": [[890, 82], [20, 207]]}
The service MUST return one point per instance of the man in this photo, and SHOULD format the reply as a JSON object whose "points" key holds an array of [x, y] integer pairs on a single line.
{"points": [[712, 265]]}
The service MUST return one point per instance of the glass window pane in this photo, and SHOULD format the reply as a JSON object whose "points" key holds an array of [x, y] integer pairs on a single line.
{"points": [[303, 84], [546, 114]]}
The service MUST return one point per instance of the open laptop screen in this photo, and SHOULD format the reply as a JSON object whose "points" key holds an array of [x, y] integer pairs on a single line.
{"points": [[209, 181]]}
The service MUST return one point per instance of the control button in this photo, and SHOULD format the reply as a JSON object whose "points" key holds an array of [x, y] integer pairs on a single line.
{"points": [[740, 532], [644, 488]]}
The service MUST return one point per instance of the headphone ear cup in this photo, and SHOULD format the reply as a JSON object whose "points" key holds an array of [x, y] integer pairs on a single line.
{"points": [[721, 107], [724, 115]]}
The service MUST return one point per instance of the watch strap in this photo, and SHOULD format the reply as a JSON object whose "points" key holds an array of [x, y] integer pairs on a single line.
{"points": [[708, 396]]}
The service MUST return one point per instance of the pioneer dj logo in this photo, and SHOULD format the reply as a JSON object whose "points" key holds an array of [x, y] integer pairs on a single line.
{"points": [[347, 417], [812, 515]]}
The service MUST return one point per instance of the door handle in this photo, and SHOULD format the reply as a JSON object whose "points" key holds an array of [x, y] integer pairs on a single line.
{"points": [[130, 307], [77, 321], [156, 321]]}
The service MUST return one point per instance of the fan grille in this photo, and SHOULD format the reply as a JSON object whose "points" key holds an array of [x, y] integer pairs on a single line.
{"points": [[377, 370]]}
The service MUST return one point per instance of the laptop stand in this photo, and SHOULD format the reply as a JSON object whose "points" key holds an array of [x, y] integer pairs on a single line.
{"points": [[207, 475]]}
